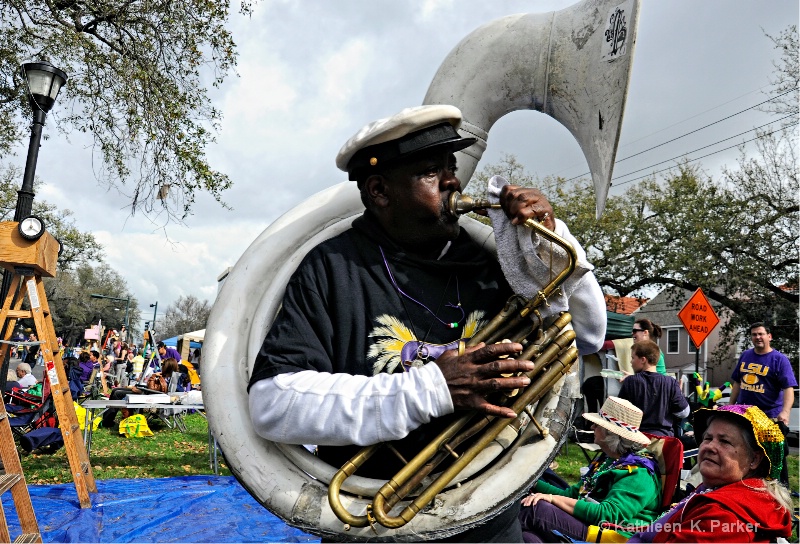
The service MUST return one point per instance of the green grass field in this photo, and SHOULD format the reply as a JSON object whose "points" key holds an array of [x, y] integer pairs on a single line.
{"points": [[167, 453]]}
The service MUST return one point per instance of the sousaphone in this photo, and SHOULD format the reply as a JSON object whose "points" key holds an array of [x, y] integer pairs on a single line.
{"points": [[573, 65]]}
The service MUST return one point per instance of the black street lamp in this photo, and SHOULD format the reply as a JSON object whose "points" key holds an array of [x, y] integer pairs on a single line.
{"points": [[44, 81], [154, 314]]}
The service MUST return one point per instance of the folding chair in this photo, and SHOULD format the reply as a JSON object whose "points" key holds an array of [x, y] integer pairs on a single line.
{"points": [[690, 476], [35, 426], [46, 439], [93, 387], [74, 377], [585, 441], [668, 451], [690, 456], [173, 417], [18, 399]]}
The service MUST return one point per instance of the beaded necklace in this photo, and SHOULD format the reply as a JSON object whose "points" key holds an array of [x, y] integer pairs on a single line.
{"points": [[605, 464]]}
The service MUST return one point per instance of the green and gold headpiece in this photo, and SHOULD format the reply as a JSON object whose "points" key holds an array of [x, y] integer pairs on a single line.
{"points": [[768, 435]]}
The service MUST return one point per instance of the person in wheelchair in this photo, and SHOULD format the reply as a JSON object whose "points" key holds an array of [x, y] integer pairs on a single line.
{"points": [[622, 488]]}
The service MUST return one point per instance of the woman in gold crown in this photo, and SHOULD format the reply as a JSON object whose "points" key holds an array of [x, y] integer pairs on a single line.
{"points": [[740, 500]]}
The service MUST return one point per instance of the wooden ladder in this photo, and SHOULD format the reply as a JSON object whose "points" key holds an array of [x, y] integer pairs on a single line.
{"points": [[28, 261], [14, 480]]}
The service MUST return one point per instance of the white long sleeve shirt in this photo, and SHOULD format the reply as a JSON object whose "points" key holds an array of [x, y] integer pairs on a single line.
{"points": [[341, 409]]}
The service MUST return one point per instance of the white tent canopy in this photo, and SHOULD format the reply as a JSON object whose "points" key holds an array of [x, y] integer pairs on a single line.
{"points": [[196, 336], [185, 341]]}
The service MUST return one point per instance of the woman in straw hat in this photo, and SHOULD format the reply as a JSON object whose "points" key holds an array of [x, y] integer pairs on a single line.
{"points": [[622, 488], [740, 500]]}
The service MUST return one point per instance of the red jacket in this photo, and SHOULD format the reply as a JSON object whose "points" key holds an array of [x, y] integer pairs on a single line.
{"points": [[739, 512]]}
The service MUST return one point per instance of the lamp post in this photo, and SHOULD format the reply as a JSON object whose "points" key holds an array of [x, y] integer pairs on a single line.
{"points": [[43, 81], [127, 305], [154, 313]]}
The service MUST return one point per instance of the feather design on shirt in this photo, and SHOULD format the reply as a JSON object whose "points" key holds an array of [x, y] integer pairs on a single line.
{"points": [[393, 336], [397, 343], [473, 324]]}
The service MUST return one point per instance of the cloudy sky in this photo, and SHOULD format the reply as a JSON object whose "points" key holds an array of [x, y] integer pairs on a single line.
{"points": [[311, 73]]}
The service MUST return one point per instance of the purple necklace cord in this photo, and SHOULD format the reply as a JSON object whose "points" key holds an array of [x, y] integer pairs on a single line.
{"points": [[412, 299]]}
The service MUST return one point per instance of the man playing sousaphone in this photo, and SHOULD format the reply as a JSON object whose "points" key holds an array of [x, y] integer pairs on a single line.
{"points": [[365, 347]]}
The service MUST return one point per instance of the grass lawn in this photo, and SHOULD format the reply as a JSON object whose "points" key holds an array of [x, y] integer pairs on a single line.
{"points": [[167, 453]]}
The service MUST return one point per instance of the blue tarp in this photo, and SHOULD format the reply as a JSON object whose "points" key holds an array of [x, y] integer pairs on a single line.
{"points": [[173, 343], [185, 509]]}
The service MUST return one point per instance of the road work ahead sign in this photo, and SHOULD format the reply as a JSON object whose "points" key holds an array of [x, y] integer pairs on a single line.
{"points": [[698, 317]]}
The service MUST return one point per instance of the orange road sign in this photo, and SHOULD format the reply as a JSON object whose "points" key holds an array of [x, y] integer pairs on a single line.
{"points": [[698, 317]]}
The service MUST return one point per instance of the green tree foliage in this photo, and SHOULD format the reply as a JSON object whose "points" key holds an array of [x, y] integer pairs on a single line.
{"points": [[186, 314], [514, 172], [138, 72], [735, 238], [73, 309]]}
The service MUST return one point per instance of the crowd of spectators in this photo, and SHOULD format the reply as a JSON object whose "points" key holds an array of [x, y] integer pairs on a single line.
{"points": [[116, 362]]}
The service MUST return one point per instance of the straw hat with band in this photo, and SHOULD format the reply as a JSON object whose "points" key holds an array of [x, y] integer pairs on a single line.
{"points": [[768, 435], [621, 418]]}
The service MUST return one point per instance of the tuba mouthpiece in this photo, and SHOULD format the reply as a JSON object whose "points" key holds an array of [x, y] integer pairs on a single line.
{"points": [[459, 204]]}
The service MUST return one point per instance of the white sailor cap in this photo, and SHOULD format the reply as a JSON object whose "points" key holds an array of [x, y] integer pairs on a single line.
{"points": [[413, 129]]}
